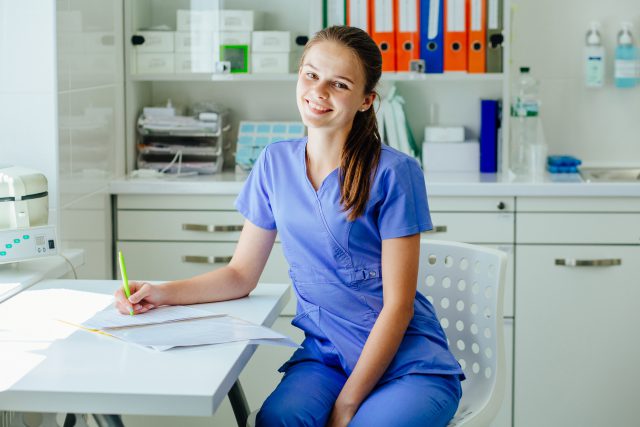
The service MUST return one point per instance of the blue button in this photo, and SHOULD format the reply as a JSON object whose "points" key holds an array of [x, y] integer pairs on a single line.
{"points": [[25, 237], [16, 240], [3, 253], [8, 246]]}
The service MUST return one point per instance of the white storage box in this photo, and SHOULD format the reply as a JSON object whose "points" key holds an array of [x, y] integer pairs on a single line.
{"points": [[197, 20], [451, 156], [196, 41], [277, 63], [155, 63], [444, 134], [239, 20], [235, 38], [271, 41], [195, 62], [155, 42]]}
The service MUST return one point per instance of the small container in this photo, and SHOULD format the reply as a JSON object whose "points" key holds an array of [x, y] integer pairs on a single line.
{"points": [[594, 57], [626, 63]]}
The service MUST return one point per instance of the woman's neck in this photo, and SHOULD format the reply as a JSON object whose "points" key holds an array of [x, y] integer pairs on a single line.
{"points": [[324, 148]]}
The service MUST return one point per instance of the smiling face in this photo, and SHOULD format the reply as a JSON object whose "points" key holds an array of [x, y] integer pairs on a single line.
{"points": [[330, 89]]}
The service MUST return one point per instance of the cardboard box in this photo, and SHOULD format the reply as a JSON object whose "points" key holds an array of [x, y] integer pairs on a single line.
{"points": [[451, 156], [155, 63], [155, 42], [195, 62], [196, 41], [239, 20], [197, 20], [270, 63], [271, 41]]}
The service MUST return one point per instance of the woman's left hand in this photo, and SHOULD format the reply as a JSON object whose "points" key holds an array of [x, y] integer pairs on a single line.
{"points": [[340, 416]]}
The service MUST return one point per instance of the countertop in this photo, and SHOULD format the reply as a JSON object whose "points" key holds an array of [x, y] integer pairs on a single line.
{"points": [[438, 184]]}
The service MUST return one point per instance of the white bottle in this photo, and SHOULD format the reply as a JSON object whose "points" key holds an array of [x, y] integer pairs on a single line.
{"points": [[594, 57], [524, 122]]}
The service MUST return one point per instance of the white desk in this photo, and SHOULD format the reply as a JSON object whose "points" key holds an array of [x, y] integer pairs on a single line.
{"points": [[48, 366]]}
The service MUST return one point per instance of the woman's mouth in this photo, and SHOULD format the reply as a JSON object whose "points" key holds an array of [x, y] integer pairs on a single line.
{"points": [[316, 108]]}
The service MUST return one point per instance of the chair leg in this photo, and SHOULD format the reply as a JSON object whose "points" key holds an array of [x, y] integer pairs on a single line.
{"points": [[239, 404]]}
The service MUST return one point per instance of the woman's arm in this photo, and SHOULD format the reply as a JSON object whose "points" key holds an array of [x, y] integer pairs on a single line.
{"points": [[232, 281], [399, 277]]}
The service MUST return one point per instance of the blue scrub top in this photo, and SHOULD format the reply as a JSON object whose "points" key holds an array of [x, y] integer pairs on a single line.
{"points": [[335, 264]]}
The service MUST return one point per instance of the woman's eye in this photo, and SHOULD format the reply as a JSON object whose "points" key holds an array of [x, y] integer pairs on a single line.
{"points": [[340, 85], [311, 75]]}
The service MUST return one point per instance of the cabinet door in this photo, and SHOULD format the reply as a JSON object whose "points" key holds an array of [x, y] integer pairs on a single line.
{"points": [[577, 347], [472, 227]]}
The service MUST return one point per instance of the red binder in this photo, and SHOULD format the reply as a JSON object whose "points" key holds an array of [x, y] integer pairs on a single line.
{"points": [[382, 32], [407, 33], [455, 36], [477, 30]]}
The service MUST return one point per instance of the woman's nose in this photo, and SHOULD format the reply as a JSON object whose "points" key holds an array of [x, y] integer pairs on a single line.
{"points": [[321, 90]]}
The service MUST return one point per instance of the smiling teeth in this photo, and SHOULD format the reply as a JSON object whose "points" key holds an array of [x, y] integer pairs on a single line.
{"points": [[317, 107]]}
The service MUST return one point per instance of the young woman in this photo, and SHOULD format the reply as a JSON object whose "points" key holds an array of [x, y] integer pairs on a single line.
{"points": [[349, 211]]}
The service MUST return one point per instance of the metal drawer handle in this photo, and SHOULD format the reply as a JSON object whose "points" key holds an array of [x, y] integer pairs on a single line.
{"points": [[211, 228], [438, 229], [571, 262], [197, 259]]}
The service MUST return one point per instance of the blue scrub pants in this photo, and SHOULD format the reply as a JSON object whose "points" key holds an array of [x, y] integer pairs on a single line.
{"points": [[308, 390]]}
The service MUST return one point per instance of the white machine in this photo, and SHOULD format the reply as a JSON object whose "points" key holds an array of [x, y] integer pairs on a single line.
{"points": [[24, 215]]}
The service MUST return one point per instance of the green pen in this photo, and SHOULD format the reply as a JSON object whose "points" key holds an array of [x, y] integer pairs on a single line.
{"points": [[125, 280]]}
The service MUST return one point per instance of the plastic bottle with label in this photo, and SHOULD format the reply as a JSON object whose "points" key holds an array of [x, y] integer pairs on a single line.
{"points": [[594, 57], [626, 62], [526, 142]]}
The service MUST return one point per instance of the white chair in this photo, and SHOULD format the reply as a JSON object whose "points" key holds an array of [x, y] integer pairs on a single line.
{"points": [[465, 284]]}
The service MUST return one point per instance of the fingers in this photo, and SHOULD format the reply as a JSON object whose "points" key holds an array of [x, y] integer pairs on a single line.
{"points": [[122, 304], [140, 291]]}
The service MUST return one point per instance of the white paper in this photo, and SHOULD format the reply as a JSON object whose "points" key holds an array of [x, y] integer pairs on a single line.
{"points": [[216, 330], [111, 318]]}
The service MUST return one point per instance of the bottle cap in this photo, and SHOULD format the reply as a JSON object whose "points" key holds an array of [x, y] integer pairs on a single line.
{"points": [[525, 70], [624, 36], [593, 35]]}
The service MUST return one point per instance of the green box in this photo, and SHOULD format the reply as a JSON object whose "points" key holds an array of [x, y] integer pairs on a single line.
{"points": [[237, 55]]}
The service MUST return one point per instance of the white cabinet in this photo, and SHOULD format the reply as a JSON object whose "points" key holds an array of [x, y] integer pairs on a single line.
{"points": [[576, 347]]}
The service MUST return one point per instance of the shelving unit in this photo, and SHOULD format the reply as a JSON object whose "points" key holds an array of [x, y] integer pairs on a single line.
{"points": [[272, 96]]}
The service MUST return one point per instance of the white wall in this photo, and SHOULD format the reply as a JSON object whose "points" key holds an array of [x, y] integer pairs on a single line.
{"points": [[28, 94], [91, 135], [596, 125]]}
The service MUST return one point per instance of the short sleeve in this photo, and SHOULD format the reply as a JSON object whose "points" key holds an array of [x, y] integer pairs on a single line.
{"points": [[403, 208], [253, 202]]}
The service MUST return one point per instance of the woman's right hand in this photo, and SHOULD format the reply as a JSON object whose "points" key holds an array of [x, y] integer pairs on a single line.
{"points": [[144, 297]]}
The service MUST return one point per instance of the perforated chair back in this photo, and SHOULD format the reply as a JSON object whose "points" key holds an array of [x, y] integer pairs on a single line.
{"points": [[465, 284]]}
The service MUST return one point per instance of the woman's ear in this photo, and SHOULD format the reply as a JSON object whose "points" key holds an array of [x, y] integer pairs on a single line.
{"points": [[368, 101]]}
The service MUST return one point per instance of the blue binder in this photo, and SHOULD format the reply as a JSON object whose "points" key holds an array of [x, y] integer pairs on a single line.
{"points": [[489, 124], [432, 35]]}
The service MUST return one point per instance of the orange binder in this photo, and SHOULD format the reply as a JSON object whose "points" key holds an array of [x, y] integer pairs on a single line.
{"points": [[477, 31], [382, 32], [407, 33], [455, 36], [358, 14]]}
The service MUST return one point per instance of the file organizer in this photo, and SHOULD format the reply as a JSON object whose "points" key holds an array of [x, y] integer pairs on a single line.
{"points": [[495, 38], [431, 35], [182, 144], [254, 136], [489, 125], [407, 33], [455, 36], [477, 36]]}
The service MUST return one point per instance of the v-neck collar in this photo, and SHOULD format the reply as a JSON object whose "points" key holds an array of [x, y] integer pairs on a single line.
{"points": [[306, 171]]}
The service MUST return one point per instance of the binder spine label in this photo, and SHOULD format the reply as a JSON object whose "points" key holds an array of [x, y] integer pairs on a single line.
{"points": [[434, 14], [493, 15]]}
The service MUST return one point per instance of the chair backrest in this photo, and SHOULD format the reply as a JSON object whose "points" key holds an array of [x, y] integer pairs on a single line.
{"points": [[465, 284]]}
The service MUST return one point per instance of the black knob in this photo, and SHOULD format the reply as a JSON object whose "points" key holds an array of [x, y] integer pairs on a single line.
{"points": [[302, 40], [501, 206], [137, 40]]}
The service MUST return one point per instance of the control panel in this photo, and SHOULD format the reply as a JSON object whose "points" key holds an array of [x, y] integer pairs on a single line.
{"points": [[27, 243]]}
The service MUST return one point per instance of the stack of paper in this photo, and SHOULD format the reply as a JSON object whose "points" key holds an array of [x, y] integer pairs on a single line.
{"points": [[180, 326]]}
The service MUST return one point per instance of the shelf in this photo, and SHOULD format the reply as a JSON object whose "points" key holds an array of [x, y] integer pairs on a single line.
{"points": [[394, 77]]}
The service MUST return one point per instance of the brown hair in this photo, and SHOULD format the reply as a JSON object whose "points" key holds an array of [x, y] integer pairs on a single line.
{"points": [[361, 152]]}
